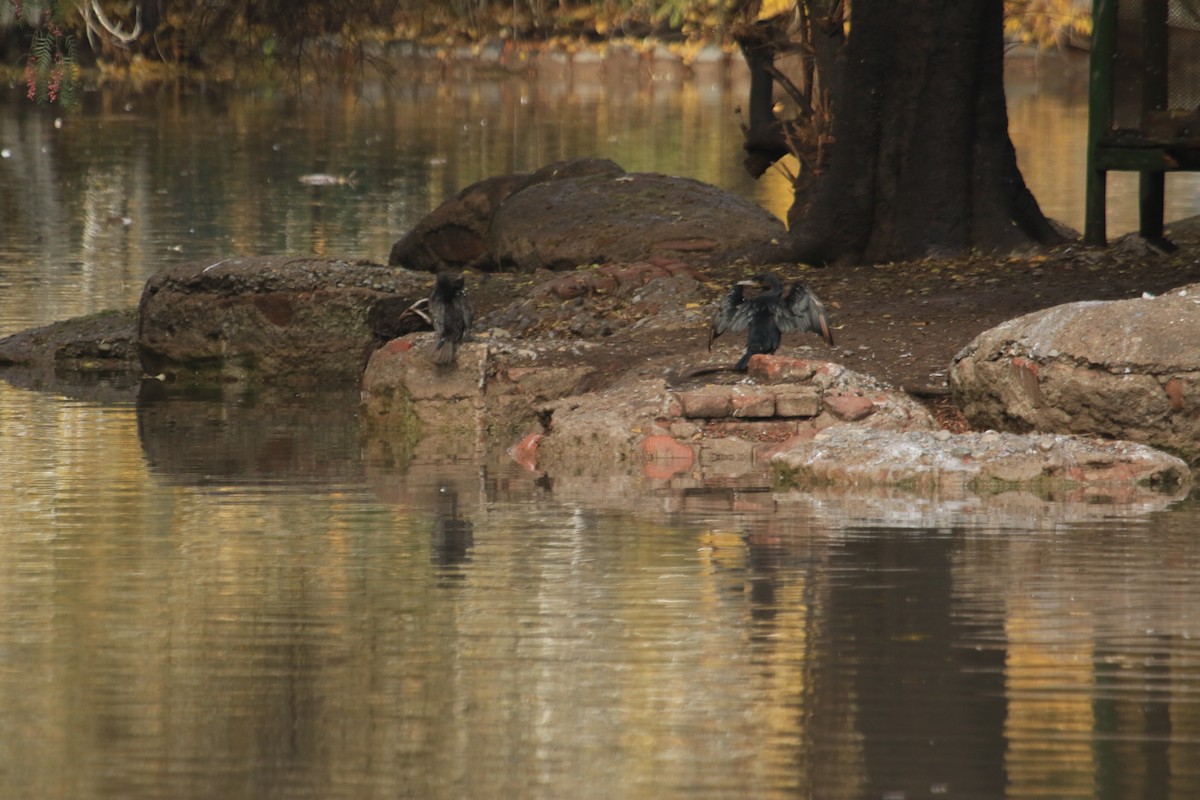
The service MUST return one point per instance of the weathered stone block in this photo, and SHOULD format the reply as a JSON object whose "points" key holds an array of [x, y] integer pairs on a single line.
{"points": [[797, 401], [546, 383], [848, 407], [751, 402], [707, 402], [730, 448], [402, 385]]}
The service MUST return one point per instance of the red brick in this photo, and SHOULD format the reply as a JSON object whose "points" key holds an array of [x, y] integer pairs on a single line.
{"points": [[780, 369], [751, 404], [1174, 389], [705, 403], [398, 346], [665, 457], [524, 452], [849, 407], [797, 401]]}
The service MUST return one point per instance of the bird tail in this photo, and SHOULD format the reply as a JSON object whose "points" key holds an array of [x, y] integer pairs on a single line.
{"points": [[445, 352]]}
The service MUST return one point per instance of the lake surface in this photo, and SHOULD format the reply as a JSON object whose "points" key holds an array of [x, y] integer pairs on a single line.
{"points": [[252, 597]]}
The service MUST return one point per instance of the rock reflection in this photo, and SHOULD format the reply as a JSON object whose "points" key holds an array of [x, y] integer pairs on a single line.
{"points": [[448, 624], [838, 506], [257, 437]]}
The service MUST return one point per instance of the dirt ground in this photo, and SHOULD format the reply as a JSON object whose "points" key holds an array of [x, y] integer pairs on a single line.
{"points": [[903, 323]]}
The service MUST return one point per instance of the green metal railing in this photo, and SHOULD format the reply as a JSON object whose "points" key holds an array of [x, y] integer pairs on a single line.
{"points": [[1131, 127]]}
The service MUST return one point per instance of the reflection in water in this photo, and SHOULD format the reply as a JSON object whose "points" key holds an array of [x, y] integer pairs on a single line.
{"points": [[247, 595], [262, 437], [452, 536], [213, 599], [919, 736]]}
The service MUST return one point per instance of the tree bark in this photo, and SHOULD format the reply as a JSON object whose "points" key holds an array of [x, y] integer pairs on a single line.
{"points": [[922, 164]]}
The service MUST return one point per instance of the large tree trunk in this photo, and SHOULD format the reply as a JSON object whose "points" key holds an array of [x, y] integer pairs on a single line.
{"points": [[921, 162]]}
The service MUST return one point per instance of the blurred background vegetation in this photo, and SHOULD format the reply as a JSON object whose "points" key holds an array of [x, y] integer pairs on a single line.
{"points": [[50, 40]]}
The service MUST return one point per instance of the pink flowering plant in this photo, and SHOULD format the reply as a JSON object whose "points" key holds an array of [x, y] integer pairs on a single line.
{"points": [[51, 68]]}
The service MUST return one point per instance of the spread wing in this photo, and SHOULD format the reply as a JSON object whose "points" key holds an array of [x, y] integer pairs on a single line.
{"points": [[802, 311], [732, 314]]}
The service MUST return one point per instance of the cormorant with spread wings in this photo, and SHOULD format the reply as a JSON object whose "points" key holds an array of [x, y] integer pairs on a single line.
{"points": [[768, 315]]}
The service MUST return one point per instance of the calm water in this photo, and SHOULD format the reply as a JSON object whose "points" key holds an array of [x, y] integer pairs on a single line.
{"points": [[252, 598]]}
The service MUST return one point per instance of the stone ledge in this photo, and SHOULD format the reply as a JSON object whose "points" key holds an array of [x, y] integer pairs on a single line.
{"points": [[483, 392], [854, 432], [727, 430], [749, 402], [957, 463]]}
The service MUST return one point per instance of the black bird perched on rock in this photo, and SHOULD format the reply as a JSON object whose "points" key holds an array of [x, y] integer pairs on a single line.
{"points": [[768, 315], [450, 313]]}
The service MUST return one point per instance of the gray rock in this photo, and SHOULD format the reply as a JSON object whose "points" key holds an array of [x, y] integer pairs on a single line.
{"points": [[455, 234], [1123, 369], [92, 358], [104, 341], [588, 211], [279, 321], [605, 218]]}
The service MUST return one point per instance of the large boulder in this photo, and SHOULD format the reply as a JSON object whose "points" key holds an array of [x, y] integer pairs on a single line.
{"points": [[1124, 369], [602, 218], [596, 303], [588, 211], [455, 235], [288, 321]]}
